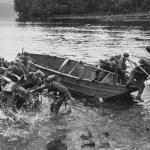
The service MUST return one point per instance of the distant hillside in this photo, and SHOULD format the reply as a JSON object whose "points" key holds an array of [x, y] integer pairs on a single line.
{"points": [[7, 10]]}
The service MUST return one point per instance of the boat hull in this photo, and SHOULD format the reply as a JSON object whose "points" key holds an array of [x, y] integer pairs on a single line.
{"points": [[77, 84]]}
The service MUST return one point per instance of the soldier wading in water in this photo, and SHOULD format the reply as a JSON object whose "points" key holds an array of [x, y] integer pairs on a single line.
{"points": [[138, 76], [52, 83]]}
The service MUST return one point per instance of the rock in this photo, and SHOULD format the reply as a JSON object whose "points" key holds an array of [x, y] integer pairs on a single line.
{"points": [[147, 129], [105, 145], [106, 134], [56, 145], [87, 135], [13, 139], [84, 137], [88, 143]]}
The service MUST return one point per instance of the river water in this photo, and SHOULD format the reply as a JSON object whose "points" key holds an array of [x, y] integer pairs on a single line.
{"points": [[128, 125]]}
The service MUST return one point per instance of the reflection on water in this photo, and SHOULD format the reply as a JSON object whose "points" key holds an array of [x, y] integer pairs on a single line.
{"points": [[128, 125]]}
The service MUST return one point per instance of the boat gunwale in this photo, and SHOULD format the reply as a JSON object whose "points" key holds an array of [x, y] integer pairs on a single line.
{"points": [[72, 76]]}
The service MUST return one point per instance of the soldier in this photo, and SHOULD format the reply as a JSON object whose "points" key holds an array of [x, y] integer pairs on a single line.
{"points": [[108, 65], [52, 83], [32, 79], [138, 77], [121, 69], [3, 63], [15, 96], [15, 68], [115, 59], [12, 76], [2, 70]]}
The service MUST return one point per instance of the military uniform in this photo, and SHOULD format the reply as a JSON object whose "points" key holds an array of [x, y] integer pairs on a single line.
{"points": [[52, 83], [15, 96], [138, 77], [122, 68]]}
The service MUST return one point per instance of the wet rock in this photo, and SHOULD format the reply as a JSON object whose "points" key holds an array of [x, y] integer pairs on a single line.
{"points": [[88, 143], [147, 129], [106, 134], [13, 139], [56, 145], [105, 145], [87, 135], [84, 137]]}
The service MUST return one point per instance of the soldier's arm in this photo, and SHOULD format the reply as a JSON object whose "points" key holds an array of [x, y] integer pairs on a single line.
{"points": [[42, 87]]}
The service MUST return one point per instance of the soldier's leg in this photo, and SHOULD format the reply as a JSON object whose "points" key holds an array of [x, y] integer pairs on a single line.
{"points": [[59, 102], [97, 73], [11, 100], [141, 86], [131, 79]]}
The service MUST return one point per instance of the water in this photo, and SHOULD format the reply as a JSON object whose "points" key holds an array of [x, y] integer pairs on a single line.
{"points": [[128, 125]]}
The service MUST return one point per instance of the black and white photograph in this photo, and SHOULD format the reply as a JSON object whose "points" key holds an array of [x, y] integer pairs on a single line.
{"points": [[74, 74]]}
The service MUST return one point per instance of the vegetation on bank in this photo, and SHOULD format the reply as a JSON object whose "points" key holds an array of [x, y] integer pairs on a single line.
{"points": [[43, 9]]}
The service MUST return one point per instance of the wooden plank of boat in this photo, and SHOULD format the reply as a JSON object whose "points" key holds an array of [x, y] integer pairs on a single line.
{"points": [[148, 49], [81, 80]]}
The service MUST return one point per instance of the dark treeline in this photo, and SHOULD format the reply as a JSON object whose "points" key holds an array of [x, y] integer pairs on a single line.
{"points": [[43, 9]]}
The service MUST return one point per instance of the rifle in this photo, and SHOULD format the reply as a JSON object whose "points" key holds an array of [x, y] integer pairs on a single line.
{"points": [[138, 66]]}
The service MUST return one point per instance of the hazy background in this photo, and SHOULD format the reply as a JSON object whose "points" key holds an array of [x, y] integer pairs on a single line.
{"points": [[7, 10]]}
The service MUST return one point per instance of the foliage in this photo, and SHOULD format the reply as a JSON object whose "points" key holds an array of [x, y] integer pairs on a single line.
{"points": [[46, 8]]}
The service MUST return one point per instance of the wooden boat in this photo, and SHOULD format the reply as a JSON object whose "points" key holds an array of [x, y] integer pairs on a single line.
{"points": [[77, 76]]}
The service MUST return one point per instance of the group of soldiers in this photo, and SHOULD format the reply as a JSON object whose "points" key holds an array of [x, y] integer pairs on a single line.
{"points": [[17, 85], [117, 65]]}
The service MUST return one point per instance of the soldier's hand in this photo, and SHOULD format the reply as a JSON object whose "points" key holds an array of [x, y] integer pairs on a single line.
{"points": [[148, 78], [31, 91], [72, 99], [27, 92]]}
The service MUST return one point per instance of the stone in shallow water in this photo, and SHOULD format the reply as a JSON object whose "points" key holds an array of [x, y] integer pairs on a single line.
{"points": [[84, 137], [56, 145], [88, 143], [106, 134], [105, 145]]}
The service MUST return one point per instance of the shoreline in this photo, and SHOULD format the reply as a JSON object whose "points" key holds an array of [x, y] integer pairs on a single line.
{"points": [[133, 17]]}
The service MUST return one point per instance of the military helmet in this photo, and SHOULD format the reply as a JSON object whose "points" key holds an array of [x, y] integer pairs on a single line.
{"points": [[126, 55], [118, 56], [39, 73], [2, 70], [142, 61]]}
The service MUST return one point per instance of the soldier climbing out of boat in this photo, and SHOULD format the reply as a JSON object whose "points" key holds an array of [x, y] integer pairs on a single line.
{"points": [[138, 76], [53, 84]]}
